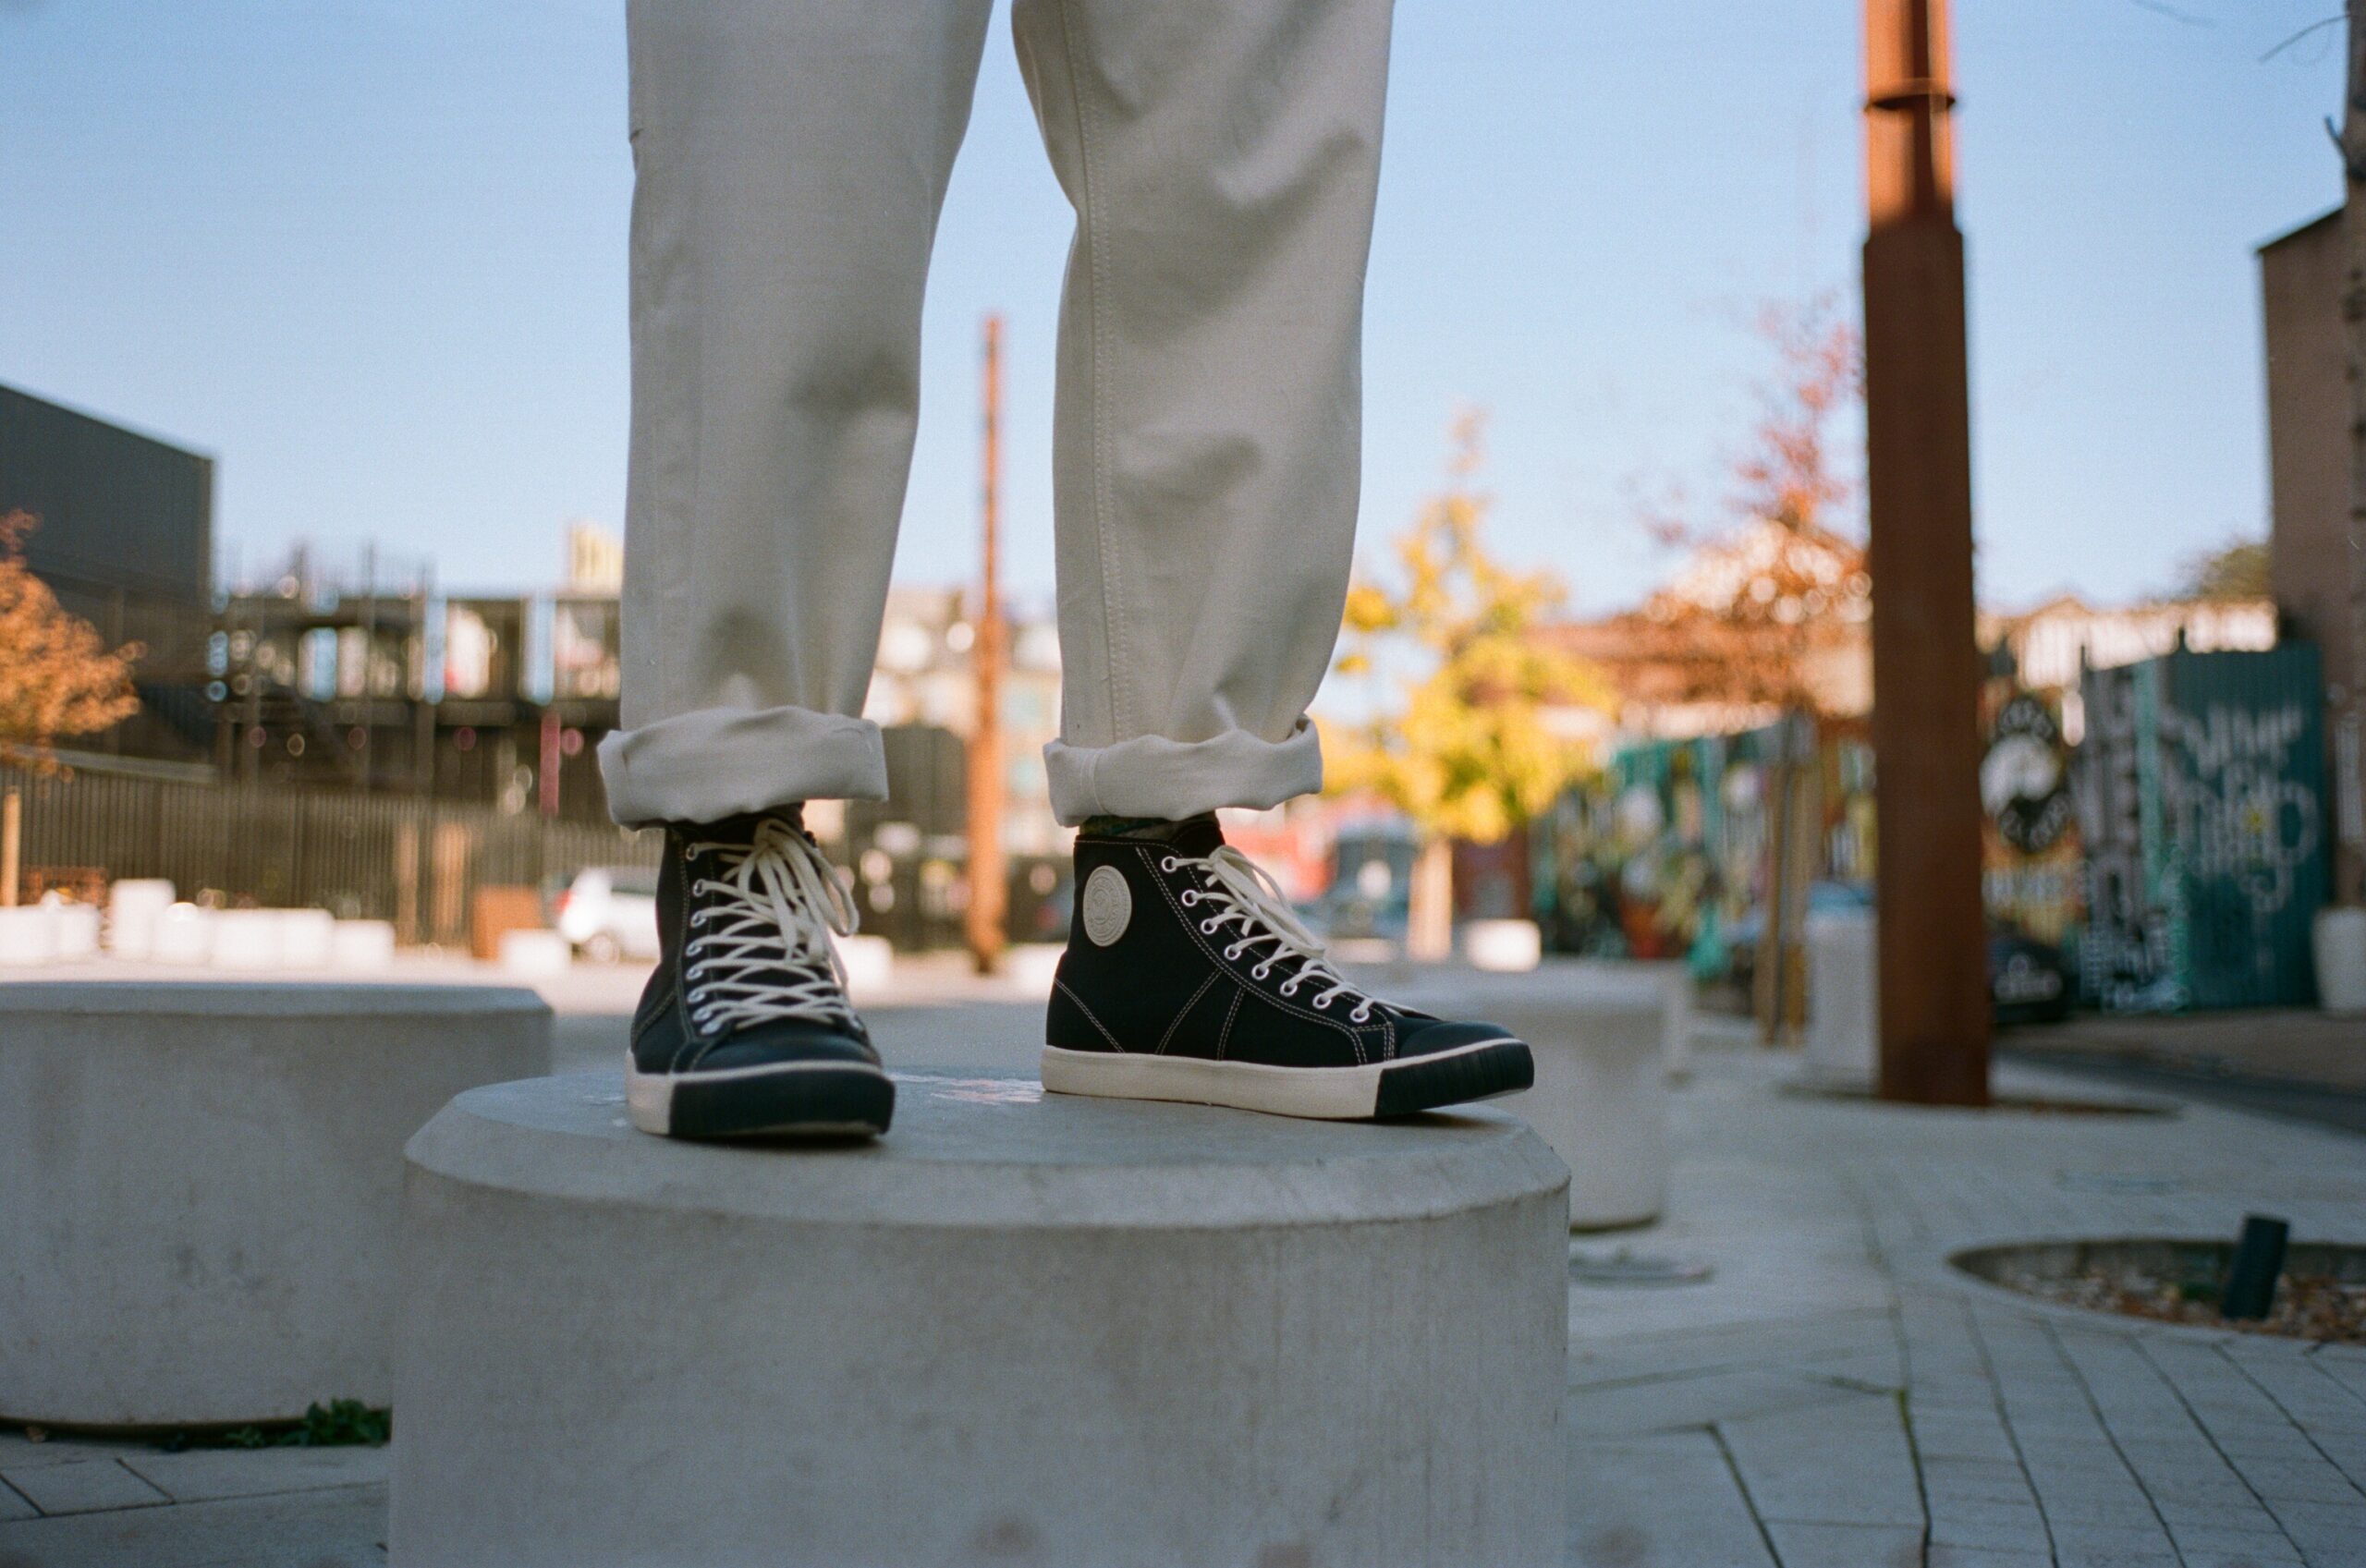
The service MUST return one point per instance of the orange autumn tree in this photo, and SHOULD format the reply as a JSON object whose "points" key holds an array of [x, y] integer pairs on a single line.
{"points": [[1773, 595], [58, 678]]}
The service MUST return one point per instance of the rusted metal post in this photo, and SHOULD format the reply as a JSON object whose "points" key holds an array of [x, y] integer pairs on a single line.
{"points": [[983, 920], [1932, 935]]}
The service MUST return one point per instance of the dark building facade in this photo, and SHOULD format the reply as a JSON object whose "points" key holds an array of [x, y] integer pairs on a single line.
{"points": [[125, 538]]}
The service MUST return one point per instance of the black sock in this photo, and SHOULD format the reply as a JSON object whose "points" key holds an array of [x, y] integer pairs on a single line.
{"points": [[1149, 830]]}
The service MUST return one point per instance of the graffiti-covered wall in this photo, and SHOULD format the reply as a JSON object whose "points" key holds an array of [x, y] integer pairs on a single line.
{"points": [[2200, 799]]}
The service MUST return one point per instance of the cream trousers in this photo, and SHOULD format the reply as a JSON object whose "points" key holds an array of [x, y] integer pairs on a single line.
{"points": [[792, 158]]}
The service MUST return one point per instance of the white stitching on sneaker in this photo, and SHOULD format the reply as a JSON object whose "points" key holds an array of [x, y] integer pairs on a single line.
{"points": [[768, 954], [1243, 891]]}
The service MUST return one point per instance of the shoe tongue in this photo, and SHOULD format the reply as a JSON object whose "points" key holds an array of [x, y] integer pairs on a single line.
{"points": [[1198, 837], [740, 827]]}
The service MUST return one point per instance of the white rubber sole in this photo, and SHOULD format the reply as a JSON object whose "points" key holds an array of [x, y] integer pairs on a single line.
{"points": [[649, 1099], [1328, 1094]]}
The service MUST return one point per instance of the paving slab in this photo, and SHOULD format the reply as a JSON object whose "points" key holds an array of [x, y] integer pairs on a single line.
{"points": [[206, 1474], [342, 1527], [1620, 1514], [83, 1486], [1850, 1464], [1848, 1545]]}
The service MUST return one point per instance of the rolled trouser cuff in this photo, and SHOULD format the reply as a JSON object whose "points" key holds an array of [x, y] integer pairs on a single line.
{"points": [[715, 762], [1151, 776]]}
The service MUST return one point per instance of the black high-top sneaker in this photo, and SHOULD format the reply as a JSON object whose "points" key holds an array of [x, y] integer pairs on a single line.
{"points": [[1188, 976], [745, 1030]]}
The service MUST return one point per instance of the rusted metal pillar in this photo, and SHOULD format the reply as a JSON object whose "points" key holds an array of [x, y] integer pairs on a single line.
{"points": [[983, 920], [1933, 947]]}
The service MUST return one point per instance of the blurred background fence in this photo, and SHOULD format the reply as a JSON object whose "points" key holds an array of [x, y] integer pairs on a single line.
{"points": [[413, 861]]}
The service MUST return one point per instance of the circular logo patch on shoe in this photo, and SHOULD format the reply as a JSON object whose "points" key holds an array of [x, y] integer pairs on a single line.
{"points": [[1108, 906]]}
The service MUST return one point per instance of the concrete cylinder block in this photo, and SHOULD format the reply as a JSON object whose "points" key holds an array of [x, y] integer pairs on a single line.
{"points": [[870, 962], [246, 938], [204, 1186], [28, 934], [77, 930], [535, 954], [182, 934], [1504, 946], [363, 944], [1600, 1092], [1843, 995], [134, 904], [1018, 1329], [2339, 940], [307, 938]]}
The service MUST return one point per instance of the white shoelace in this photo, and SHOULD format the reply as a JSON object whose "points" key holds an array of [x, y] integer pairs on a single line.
{"points": [[765, 951], [1244, 891]]}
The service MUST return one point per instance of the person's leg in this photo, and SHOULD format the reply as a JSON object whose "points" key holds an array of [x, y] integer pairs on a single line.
{"points": [[1222, 158], [791, 159]]}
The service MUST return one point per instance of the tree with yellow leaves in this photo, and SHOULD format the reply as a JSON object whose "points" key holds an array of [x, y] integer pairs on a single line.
{"points": [[1468, 751], [58, 678]]}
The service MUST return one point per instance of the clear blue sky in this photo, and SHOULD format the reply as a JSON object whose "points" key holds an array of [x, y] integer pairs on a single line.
{"points": [[370, 254]]}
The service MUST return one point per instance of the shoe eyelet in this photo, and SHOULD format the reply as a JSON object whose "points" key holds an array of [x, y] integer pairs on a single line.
{"points": [[698, 917], [694, 971], [1289, 987], [1360, 1015], [1322, 1005], [1168, 863], [1260, 971], [1189, 899], [1207, 928]]}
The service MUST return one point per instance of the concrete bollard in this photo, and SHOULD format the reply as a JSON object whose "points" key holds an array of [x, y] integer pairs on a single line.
{"points": [[182, 934], [1600, 1092], [534, 955], [204, 1186], [307, 938], [869, 962], [1674, 978], [1028, 967], [1842, 995], [134, 906], [1511, 947], [1020, 1329], [77, 930], [2339, 944], [245, 939], [363, 944], [28, 934]]}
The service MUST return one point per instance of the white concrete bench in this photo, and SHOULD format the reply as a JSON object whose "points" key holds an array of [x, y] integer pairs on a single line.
{"points": [[200, 1186], [1020, 1329]]}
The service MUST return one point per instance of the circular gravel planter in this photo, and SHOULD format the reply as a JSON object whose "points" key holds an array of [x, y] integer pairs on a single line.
{"points": [[2322, 1295]]}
